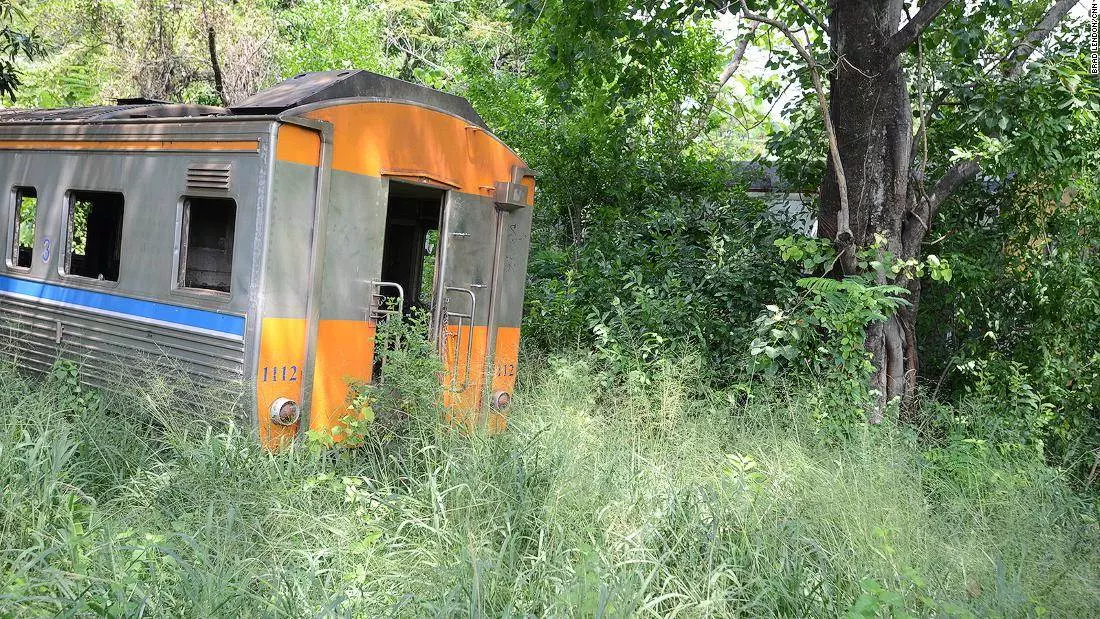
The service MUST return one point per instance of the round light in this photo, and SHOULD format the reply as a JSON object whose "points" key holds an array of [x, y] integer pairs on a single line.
{"points": [[501, 400], [284, 412]]}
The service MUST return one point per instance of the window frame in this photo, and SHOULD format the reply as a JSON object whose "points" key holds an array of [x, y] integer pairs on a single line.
{"points": [[65, 258], [16, 200], [179, 250]]}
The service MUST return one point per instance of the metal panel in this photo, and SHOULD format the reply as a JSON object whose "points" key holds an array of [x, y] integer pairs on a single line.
{"points": [[112, 340], [153, 185], [41, 333], [212, 176], [353, 253], [515, 240], [468, 246]]}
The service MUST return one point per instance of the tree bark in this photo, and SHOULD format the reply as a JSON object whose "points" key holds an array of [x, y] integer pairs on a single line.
{"points": [[871, 115]]}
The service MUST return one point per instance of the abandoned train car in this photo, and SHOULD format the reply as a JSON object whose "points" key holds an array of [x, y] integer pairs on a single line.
{"points": [[263, 243]]}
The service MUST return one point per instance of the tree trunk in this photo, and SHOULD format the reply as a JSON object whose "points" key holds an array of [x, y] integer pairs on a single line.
{"points": [[212, 47], [871, 134], [870, 109]]}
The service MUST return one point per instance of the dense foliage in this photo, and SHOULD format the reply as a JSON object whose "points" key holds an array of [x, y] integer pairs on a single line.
{"points": [[1020, 325]]}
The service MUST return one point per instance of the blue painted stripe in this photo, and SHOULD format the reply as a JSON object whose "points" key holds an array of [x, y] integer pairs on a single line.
{"points": [[138, 308]]}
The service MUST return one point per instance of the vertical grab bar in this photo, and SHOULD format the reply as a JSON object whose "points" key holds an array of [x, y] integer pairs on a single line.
{"points": [[376, 312], [469, 339]]}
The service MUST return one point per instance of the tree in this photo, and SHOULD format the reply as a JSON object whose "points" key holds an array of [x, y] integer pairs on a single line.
{"points": [[13, 44], [874, 184], [914, 100]]}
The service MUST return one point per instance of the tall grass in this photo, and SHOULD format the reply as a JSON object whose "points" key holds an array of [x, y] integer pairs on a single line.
{"points": [[662, 499]]}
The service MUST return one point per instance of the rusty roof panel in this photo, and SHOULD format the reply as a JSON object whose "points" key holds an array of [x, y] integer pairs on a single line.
{"points": [[108, 112]]}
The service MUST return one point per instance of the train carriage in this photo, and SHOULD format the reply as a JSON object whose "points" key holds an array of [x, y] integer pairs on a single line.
{"points": [[263, 243]]}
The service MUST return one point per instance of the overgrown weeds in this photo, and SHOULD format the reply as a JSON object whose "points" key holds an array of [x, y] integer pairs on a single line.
{"points": [[648, 498]]}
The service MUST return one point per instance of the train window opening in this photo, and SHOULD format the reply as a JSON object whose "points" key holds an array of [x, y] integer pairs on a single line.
{"points": [[206, 243], [94, 244], [411, 244], [26, 211]]}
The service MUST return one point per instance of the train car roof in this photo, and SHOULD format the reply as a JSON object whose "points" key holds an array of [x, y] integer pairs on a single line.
{"points": [[312, 88], [300, 90], [127, 108]]}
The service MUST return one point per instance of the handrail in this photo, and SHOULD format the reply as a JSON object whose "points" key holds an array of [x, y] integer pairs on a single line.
{"points": [[375, 311], [469, 339]]}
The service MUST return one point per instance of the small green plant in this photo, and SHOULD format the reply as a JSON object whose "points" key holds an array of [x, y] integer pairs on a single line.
{"points": [[407, 390], [823, 326], [73, 394]]}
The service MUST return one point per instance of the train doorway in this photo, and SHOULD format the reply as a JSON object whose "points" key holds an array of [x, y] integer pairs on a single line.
{"points": [[410, 247]]}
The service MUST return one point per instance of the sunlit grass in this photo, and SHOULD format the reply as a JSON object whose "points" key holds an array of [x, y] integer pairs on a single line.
{"points": [[654, 500]]}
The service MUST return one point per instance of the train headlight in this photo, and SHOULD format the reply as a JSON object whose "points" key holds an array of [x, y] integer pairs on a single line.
{"points": [[284, 412], [500, 400]]}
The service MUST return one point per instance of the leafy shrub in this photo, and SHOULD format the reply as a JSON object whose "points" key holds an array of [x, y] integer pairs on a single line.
{"points": [[1016, 331], [407, 390], [822, 325], [824, 328], [687, 273]]}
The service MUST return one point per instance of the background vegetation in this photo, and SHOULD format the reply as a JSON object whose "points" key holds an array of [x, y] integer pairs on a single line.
{"points": [[690, 432]]}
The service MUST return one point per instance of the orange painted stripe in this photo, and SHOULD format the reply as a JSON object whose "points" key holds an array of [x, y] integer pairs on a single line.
{"points": [[463, 377], [251, 146], [395, 139], [345, 353], [463, 406], [298, 145], [279, 374], [506, 361]]}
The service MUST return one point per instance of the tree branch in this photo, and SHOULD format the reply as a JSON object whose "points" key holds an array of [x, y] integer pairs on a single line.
{"points": [[1042, 30], [727, 74], [738, 55], [963, 171], [957, 174], [814, 18], [212, 47], [410, 53], [843, 226], [903, 38]]}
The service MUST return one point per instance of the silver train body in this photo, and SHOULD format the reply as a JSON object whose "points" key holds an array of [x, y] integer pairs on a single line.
{"points": [[261, 245]]}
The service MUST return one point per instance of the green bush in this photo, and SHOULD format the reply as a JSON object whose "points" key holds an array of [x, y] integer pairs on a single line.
{"points": [[1017, 327], [406, 395], [686, 272]]}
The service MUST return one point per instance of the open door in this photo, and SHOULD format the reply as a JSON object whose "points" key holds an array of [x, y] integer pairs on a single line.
{"points": [[407, 283], [409, 254], [468, 249]]}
